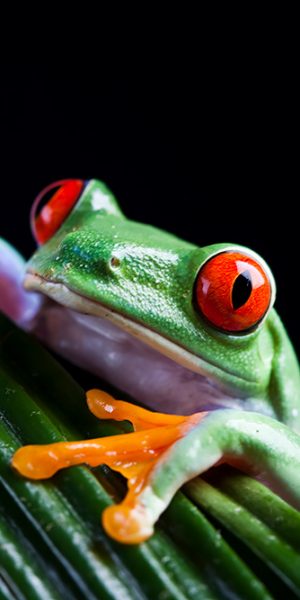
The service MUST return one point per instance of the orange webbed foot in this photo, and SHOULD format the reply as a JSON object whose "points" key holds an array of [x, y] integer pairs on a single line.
{"points": [[134, 455]]}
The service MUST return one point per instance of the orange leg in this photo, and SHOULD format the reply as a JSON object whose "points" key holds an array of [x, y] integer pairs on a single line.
{"points": [[133, 454], [166, 451]]}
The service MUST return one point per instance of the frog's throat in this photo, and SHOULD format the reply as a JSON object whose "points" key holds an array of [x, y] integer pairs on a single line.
{"points": [[61, 294]]}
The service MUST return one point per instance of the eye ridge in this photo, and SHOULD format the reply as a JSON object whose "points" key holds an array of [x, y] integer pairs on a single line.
{"points": [[241, 289]]}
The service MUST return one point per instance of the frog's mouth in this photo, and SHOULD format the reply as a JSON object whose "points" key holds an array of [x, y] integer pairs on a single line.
{"points": [[137, 360]]}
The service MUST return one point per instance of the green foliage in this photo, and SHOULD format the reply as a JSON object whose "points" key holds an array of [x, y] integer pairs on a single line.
{"points": [[223, 536]]}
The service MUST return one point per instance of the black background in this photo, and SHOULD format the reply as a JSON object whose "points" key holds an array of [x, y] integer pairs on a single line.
{"points": [[209, 154]]}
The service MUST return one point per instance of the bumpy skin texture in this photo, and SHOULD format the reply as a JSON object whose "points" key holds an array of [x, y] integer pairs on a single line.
{"points": [[149, 276]]}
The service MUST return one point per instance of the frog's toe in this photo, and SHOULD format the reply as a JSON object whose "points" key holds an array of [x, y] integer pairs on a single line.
{"points": [[104, 406], [35, 462], [127, 524]]}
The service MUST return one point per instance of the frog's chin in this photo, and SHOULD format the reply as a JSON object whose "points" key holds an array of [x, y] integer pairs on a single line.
{"points": [[138, 361]]}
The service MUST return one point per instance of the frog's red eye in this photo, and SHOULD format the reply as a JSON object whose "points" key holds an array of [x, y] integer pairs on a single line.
{"points": [[233, 291], [52, 215]]}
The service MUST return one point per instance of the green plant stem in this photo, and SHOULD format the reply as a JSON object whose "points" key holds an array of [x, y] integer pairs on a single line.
{"points": [[262, 540]]}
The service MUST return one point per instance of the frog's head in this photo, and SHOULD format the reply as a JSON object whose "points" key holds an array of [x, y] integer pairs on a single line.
{"points": [[201, 317]]}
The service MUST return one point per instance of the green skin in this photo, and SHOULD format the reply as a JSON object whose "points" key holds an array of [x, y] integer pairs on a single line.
{"points": [[148, 276]]}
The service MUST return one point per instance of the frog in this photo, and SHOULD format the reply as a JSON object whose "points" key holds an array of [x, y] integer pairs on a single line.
{"points": [[189, 333]]}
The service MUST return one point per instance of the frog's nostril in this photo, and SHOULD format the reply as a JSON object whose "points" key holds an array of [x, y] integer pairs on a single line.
{"points": [[50, 211], [114, 262]]}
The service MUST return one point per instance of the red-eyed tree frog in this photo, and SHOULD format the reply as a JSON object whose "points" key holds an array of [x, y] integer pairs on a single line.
{"points": [[190, 332]]}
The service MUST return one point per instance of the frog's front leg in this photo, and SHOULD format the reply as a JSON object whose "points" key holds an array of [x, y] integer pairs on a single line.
{"points": [[166, 451]]}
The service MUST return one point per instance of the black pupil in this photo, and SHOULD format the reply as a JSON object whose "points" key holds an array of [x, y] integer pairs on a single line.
{"points": [[241, 290]]}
